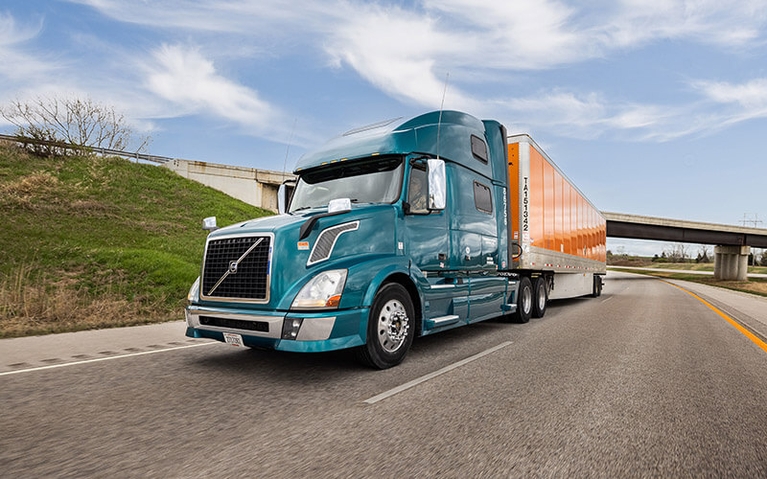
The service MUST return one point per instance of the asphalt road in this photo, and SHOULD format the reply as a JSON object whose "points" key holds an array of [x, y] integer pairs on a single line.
{"points": [[645, 381]]}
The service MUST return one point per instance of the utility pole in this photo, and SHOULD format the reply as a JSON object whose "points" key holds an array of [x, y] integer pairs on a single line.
{"points": [[751, 222]]}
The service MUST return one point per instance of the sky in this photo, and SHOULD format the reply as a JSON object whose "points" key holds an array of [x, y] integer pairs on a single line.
{"points": [[650, 107]]}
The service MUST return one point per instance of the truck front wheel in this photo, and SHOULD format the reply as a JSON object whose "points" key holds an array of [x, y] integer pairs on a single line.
{"points": [[391, 327], [524, 301]]}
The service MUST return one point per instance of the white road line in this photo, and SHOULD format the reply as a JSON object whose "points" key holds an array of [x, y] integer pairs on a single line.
{"points": [[415, 382], [608, 299], [86, 361]]}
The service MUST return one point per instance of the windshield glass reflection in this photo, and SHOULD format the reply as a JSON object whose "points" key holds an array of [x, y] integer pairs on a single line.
{"points": [[373, 180]]}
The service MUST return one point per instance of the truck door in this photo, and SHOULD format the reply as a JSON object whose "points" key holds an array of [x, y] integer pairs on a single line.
{"points": [[427, 242], [426, 234]]}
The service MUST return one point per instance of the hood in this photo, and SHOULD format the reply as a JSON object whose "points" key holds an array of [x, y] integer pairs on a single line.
{"points": [[333, 242]]}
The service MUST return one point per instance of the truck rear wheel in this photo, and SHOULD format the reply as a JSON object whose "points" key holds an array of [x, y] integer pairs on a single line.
{"points": [[524, 301], [540, 297], [391, 328]]}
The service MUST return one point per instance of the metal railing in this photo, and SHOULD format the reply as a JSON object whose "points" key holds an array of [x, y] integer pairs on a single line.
{"points": [[94, 149]]}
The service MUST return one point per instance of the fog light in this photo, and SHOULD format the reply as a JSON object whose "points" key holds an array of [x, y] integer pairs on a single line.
{"points": [[290, 327]]}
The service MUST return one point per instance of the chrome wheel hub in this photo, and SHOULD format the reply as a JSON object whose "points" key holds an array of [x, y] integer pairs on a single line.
{"points": [[393, 325]]}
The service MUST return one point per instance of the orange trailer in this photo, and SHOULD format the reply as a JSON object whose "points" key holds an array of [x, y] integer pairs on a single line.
{"points": [[555, 231]]}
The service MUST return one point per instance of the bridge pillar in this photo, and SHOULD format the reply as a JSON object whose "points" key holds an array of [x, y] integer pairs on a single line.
{"points": [[731, 262]]}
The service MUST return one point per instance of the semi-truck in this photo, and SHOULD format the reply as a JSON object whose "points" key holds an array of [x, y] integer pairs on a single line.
{"points": [[397, 230]]}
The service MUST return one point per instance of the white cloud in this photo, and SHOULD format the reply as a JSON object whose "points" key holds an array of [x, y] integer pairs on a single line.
{"points": [[738, 102], [397, 53], [19, 63], [407, 49], [587, 116], [750, 95], [634, 23], [255, 18], [183, 77], [513, 35]]}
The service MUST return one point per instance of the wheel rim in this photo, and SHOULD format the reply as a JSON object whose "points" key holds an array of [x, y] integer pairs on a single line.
{"points": [[527, 299], [393, 325], [541, 297]]}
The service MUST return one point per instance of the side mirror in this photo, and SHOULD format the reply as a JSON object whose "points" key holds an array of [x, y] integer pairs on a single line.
{"points": [[209, 224], [437, 185]]}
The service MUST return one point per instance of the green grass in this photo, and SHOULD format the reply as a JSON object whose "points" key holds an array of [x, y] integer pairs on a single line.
{"points": [[709, 267], [88, 242], [753, 285]]}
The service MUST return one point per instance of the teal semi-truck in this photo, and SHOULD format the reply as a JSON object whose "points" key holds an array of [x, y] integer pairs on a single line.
{"points": [[397, 230]]}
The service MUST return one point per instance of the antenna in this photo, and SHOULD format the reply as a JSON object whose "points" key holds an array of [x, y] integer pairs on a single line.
{"points": [[441, 107], [287, 151]]}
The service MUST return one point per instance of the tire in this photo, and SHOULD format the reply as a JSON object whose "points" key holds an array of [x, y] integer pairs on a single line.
{"points": [[540, 297], [391, 328], [524, 301], [597, 290]]}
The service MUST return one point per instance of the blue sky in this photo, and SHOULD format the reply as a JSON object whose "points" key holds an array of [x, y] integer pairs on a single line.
{"points": [[651, 107]]}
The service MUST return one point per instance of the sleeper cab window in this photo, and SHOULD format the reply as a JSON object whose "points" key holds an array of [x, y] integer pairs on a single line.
{"points": [[479, 148], [483, 200]]}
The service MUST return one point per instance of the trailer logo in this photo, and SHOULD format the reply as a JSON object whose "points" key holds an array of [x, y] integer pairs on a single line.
{"points": [[525, 204]]}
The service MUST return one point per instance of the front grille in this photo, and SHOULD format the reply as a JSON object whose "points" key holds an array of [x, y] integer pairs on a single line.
{"points": [[262, 326], [237, 268]]}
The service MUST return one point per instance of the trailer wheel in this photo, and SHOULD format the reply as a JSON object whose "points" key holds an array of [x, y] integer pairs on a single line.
{"points": [[524, 301], [391, 327], [597, 290], [540, 297]]}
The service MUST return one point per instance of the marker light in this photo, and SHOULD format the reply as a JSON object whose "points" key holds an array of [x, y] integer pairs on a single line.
{"points": [[322, 292], [194, 291]]}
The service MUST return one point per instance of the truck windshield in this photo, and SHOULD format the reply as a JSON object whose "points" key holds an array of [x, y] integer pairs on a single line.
{"points": [[372, 180]]}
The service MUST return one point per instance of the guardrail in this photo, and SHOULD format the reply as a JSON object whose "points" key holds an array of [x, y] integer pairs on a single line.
{"points": [[102, 151]]}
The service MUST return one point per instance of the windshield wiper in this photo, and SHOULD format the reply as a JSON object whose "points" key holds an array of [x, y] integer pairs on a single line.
{"points": [[301, 209]]}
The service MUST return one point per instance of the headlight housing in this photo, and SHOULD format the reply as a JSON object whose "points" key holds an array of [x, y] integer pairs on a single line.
{"points": [[322, 292]]}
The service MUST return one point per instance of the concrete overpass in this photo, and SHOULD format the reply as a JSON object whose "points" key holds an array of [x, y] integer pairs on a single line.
{"points": [[732, 243]]}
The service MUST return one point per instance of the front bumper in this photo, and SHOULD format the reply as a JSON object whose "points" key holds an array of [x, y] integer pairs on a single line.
{"points": [[319, 331]]}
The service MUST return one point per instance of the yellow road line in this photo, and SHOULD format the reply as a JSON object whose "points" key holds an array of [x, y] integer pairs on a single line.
{"points": [[737, 325]]}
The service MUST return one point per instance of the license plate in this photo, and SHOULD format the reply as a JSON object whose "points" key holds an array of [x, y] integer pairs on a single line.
{"points": [[233, 339]]}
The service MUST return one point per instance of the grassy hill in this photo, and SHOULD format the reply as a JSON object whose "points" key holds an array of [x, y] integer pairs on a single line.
{"points": [[91, 242]]}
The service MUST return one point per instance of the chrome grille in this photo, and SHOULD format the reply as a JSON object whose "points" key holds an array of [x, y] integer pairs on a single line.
{"points": [[237, 268]]}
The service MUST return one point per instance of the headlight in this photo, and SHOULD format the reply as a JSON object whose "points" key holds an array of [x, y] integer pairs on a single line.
{"points": [[194, 291], [323, 291]]}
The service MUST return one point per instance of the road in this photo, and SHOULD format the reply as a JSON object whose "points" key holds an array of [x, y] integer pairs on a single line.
{"points": [[645, 381], [686, 271]]}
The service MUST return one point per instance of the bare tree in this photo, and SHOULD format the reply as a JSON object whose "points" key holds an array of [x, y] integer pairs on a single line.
{"points": [[73, 121], [763, 256], [677, 253], [704, 254]]}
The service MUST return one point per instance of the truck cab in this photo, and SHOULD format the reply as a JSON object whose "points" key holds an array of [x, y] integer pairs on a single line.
{"points": [[392, 231]]}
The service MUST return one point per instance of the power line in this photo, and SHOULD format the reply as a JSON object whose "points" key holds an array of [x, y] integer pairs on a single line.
{"points": [[755, 222]]}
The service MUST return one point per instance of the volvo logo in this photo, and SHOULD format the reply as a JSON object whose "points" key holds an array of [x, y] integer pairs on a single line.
{"points": [[232, 267]]}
